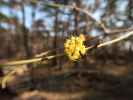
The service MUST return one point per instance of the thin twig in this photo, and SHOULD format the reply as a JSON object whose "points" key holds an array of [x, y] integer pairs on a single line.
{"points": [[100, 23], [6, 78], [34, 60], [20, 62], [46, 53], [125, 36], [28, 61], [128, 34]]}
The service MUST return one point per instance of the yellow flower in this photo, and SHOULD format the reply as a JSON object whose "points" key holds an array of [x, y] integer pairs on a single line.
{"points": [[74, 47]]}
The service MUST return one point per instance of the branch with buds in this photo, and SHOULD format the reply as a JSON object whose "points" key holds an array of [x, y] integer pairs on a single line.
{"points": [[41, 57], [71, 49]]}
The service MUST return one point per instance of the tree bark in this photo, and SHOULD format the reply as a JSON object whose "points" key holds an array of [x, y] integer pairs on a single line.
{"points": [[27, 48]]}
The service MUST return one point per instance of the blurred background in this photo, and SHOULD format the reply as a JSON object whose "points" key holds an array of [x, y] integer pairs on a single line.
{"points": [[29, 27]]}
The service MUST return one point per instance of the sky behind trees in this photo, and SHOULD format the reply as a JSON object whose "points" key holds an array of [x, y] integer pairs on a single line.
{"points": [[121, 6], [45, 18]]}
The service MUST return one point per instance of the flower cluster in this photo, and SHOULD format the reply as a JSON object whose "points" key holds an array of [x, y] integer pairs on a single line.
{"points": [[74, 47]]}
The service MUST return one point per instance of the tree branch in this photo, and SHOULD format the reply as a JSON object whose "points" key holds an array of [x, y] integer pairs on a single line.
{"points": [[100, 23]]}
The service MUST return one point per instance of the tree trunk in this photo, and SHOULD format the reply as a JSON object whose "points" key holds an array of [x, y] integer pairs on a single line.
{"points": [[27, 49], [55, 35]]}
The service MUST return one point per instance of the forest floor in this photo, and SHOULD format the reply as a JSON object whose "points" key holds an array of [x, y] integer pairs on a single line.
{"points": [[95, 81]]}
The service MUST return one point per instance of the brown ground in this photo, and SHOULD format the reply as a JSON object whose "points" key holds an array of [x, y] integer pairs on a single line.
{"points": [[84, 82]]}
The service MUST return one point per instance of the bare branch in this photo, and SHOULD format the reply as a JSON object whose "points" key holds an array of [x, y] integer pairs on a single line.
{"points": [[40, 57], [125, 36], [100, 23], [33, 60]]}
